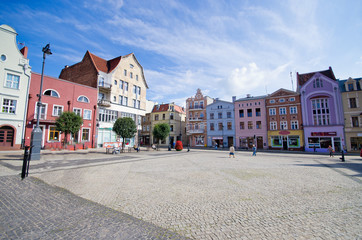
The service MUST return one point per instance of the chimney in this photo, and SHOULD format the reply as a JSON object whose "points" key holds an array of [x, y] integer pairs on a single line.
{"points": [[234, 98], [24, 51]]}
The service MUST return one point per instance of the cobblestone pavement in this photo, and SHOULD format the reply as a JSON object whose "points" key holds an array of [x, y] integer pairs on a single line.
{"points": [[206, 195]]}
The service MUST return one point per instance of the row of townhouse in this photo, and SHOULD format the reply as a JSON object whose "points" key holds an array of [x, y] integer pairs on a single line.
{"points": [[323, 111], [98, 90]]}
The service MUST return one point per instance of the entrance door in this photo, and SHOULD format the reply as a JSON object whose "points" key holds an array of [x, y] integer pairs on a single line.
{"points": [[285, 143], [259, 142], [230, 141], [6, 137]]}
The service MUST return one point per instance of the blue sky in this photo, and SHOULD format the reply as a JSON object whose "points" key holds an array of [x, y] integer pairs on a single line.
{"points": [[226, 48]]}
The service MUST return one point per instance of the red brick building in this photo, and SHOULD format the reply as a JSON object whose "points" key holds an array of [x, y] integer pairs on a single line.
{"points": [[58, 96]]}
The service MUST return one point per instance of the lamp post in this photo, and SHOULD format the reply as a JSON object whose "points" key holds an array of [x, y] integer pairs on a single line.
{"points": [[36, 134]]}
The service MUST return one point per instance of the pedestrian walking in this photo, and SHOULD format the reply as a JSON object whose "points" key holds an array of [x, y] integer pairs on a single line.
{"points": [[232, 151], [188, 147], [331, 151], [215, 146], [254, 150]]}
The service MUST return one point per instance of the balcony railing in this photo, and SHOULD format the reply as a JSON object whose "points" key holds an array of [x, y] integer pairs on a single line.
{"points": [[196, 108], [104, 103], [104, 85], [196, 119], [192, 131]]}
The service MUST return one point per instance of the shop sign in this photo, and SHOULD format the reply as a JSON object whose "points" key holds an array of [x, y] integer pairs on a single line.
{"points": [[216, 138], [324, 134], [284, 132]]}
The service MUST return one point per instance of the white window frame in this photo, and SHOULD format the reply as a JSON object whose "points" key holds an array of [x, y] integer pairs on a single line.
{"points": [[282, 111], [51, 93], [83, 97], [120, 99], [272, 111], [36, 111], [89, 135], [273, 125], [12, 81], [283, 125], [292, 111], [294, 124], [85, 114], [77, 109], [125, 101], [62, 109], [9, 106]]}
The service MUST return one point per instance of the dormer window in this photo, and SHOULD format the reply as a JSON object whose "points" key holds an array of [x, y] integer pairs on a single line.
{"points": [[51, 93], [350, 87], [317, 83]]}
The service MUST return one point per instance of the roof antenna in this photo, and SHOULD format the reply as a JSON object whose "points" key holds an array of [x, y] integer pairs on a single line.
{"points": [[291, 79]]}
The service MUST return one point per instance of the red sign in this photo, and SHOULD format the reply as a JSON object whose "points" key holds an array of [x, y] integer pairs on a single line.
{"points": [[324, 134], [284, 132]]}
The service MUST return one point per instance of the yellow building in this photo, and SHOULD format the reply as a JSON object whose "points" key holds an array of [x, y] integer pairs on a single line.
{"points": [[173, 115]]}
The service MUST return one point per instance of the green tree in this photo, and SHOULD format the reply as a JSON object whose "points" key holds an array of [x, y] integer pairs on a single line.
{"points": [[161, 131], [68, 122], [125, 128]]}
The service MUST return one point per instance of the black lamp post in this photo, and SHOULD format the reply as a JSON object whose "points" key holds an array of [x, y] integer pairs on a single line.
{"points": [[36, 134]]}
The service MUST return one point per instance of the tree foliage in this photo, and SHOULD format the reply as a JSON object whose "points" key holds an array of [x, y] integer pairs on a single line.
{"points": [[125, 128], [68, 122], [161, 131]]}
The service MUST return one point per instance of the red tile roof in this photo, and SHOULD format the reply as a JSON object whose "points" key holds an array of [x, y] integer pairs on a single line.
{"points": [[165, 107], [303, 78], [104, 65]]}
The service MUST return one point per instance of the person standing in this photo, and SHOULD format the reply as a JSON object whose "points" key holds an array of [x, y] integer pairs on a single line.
{"points": [[232, 151], [330, 150], [254, 150]]}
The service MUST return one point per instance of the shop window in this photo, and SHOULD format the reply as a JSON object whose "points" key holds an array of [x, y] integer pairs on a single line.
{"points": [[276, 141], [293, 141]]}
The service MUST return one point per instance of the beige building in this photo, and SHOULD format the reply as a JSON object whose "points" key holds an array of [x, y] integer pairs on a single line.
{"points": [[122, 91], [173, 115], [15, 77], [351, 90]]}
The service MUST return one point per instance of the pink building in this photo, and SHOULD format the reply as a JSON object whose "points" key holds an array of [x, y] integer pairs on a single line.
{"points": [[59, 96], [250, 122]]}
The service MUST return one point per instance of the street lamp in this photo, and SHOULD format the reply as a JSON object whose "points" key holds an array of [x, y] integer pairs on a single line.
{"points": [[36, 134]]}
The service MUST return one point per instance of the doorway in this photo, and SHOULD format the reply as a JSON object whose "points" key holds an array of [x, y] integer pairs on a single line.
{"points": [[6, 136], [285, 143], [259, 142]]}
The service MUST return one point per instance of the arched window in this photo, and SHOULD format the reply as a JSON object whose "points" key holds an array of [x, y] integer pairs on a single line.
{"points": [[83, 99], [52, 93]]}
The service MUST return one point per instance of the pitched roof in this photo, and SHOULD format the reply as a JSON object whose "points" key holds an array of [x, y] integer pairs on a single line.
{"points": [[104, 65], [342, 85], [303, 78], [165, 108], [280, 92], [251, 98]]}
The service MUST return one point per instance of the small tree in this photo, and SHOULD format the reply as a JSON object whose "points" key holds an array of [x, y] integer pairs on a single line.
{"points": [[125, 128], [161, 131], [68, 122]]}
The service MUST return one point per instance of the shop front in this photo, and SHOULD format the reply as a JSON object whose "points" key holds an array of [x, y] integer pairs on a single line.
{"points": [[354, 142], [286, 140], [319, 139]]}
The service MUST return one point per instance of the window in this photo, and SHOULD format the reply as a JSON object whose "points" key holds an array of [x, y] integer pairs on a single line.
{"points": [[293, 141], [171, 128], [219, 115], [292, 99], [220, 126], [241, 113], [257, 112], [120, 99], [317, 83], [258, 124], [106, 115], [125, 72], [53, 134], [136, 77], [282, 111], [211, 115], [163, 116], [272, 101], [57, 110], [131, 75], [134, 103], [87, 114], [135, 89], [115, 82], [85, 134], [242, 125], [12, 81], [228, 114], [229, 126], [212, 127], [148, 127], [125, 101], [101, 96], [138, 104], [9, 106], [156, 117], [51, 93], [272, 111], [121, 84], [131, 65], [282, 100], [276, 141], [273, 125], [139, 90], [350, 87], [355, 122], [201, 104], [283, 125], [250, 125], [83, 99], [77, 111], [126, 86], [320, 110], [293, 110], [43, 111], [171, 116], [294, 125], [114, 99], [250, 112], [352, 103]]}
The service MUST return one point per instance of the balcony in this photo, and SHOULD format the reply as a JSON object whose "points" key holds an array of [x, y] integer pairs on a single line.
{"points": [[193, 131], [196, 108], [104, 103], [105, 86], [196, 119]]}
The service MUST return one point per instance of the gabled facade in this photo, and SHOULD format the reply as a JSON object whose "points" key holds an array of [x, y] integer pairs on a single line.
{"points": [[14, 84], [351, 90], [196, 127], [174, 116], [121, 87], [145, 134], [284, 120], [58, 96], [250, 122], [220, 123], [322, 111]]}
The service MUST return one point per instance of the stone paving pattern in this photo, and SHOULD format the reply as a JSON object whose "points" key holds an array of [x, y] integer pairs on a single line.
{"points": [[206, 195]]}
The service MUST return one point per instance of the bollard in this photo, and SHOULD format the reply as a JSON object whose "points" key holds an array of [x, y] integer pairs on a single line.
{"points": [[342, 158], [25, 167]]}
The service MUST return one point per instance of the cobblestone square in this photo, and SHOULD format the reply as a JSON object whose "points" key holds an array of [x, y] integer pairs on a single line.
{"points": [[204, 194]]}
